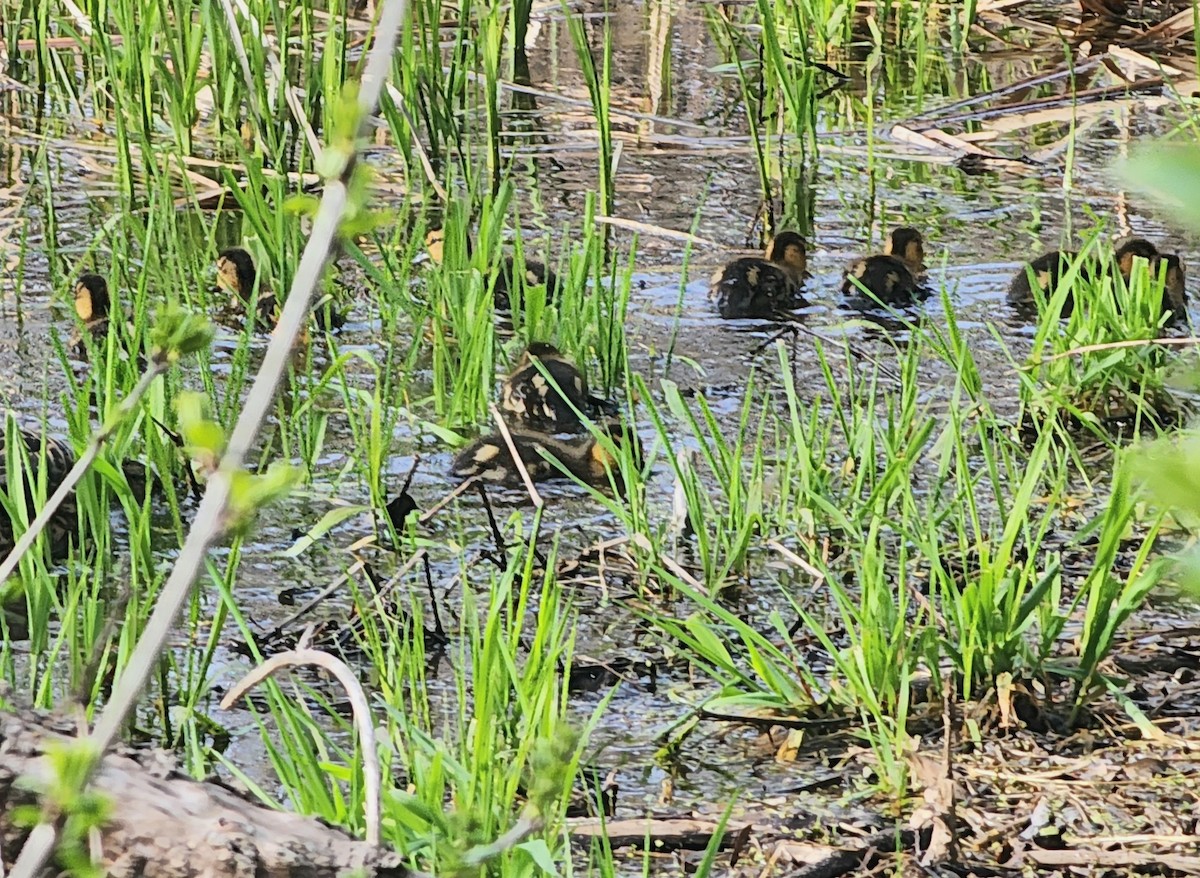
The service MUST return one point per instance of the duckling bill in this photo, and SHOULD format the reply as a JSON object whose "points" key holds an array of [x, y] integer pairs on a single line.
{"points": [[531, 399], [763, 287], [891, 277], [536, 273], [585, 457]]}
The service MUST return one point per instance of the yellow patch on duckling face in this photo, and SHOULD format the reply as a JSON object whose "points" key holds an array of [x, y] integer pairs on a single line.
{"points": [[83, 302], [914, 252], [435, 244], [602, 458], [794, 257], [752, 276], [1045, 280], [1125, 264], [1176, 280], [532, 279], [227, 276]]}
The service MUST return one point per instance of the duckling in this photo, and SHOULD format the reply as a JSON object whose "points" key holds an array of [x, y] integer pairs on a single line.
{"points": [[529, 397], [584, 457], [761, 287], [1045, 272], [893, 276], [536, 273], [92, 303], [57, 457], [1048, 268], [237, 274]]}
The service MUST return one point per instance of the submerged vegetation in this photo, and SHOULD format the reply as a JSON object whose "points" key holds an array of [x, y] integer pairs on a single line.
{"points": [[891, 530]]}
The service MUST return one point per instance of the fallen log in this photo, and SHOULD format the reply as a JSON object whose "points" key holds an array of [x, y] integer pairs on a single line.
{"points": [[167, 825]]}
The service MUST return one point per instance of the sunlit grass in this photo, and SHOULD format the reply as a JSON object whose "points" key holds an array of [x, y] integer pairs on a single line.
{"points": [[899, 533]]}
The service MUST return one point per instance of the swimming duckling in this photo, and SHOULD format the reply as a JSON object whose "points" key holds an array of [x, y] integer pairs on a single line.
{"points": [[529, 397], [763, 287], [56, 458], [92, 305], [536, 273], [1044, 272], [237, 274], [892, 277], [585, 457], [1048, 268]]}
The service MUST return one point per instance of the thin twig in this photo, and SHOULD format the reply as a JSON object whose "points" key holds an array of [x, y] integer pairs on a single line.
{"points": [[426, 165], [656, 231], [517, 462], [1190, 341], [445, 501], [360, 707], [501, 546], [210, 519]]}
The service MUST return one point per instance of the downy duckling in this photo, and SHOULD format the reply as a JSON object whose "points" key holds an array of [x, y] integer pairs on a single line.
{"points": [[58, 460], [536, 273], [1049, 268], [92, 303], [92, 306], [893, 276], [237, 275], [48, 457], [584, 457], [766, 286], [530, 398], [1044, 273]]}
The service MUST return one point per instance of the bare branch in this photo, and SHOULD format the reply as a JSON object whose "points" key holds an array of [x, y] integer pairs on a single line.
{"points": [[372, 782]]}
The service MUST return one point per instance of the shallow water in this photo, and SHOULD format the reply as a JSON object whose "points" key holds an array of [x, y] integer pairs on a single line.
{"points": [[694, 174]]}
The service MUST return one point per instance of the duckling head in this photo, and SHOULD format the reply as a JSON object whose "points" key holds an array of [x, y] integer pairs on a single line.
{"points": [[787, 249], [435, 244], [602, 460], [91, 298], [907, 245], [543, 350], [236, 272], [1130, 248]]}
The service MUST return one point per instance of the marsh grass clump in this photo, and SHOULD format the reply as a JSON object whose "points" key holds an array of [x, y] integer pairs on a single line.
{"points": [[1083, 368]]}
